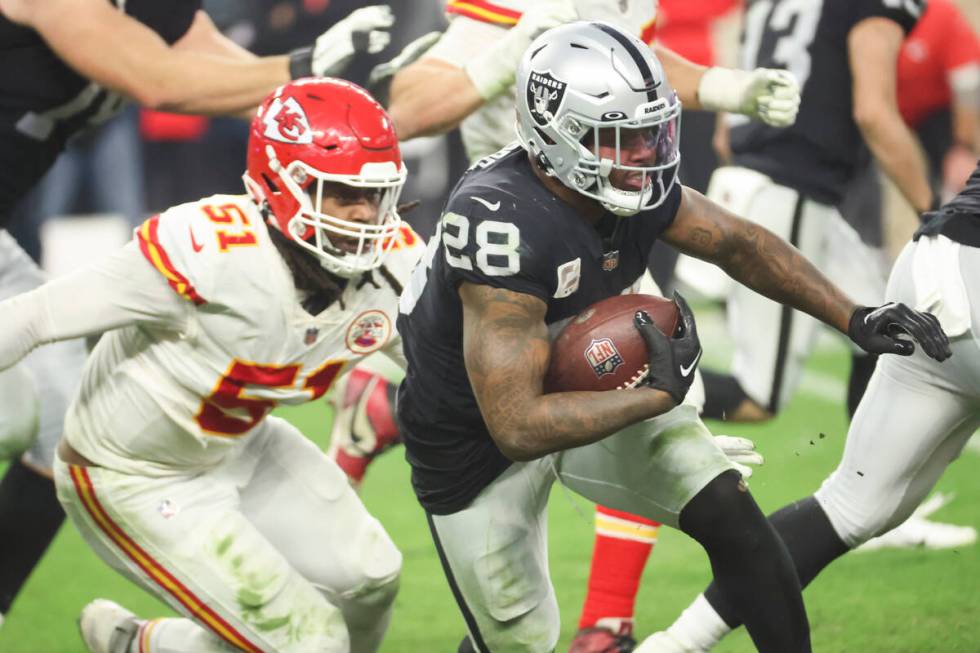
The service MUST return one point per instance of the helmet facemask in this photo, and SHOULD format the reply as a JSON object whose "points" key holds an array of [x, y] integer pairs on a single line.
{"points": [[345, 247], [630, 164], [324, 164]]}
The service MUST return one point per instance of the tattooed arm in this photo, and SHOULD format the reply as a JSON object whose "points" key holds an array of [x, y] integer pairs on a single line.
{"points": [[756, 257], [506, 349]]}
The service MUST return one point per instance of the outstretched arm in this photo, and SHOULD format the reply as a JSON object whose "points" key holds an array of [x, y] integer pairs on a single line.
{"points": [[506, 349], [120, 53], [202, 73], [123, 289], [772, 96], [757, 258], [772, 267]]}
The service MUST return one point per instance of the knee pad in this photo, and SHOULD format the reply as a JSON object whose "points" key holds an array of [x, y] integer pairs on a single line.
{"points": [[19, 411], [380, 564], [535, 632]]}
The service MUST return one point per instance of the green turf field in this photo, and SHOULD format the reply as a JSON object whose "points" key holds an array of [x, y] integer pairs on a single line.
{"points": [[884, 602]]}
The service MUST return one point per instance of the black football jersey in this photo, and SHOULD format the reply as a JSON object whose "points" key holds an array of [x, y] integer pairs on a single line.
{"points": [[818, 154], [43, 102], [502, 228], [959, 218]]}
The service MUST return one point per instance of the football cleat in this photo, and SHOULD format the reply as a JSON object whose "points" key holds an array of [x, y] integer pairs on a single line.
{"points": [[603, 639], [918, 531], [364, 424], [107, 627]]}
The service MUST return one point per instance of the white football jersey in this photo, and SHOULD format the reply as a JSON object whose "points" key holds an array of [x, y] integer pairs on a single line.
{"points": [[156, 400], [477, 24]]}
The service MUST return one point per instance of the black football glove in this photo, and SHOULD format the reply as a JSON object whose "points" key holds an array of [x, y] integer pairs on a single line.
{"points": [[674, 359], [887, 330]]}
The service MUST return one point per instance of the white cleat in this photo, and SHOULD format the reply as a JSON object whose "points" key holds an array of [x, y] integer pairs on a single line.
{"points": [[664, 642], [919, 532], [107, 627]]}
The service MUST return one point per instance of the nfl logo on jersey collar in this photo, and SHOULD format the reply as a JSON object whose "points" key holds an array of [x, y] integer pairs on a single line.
{"points": [[610, 260], [311, 335]]}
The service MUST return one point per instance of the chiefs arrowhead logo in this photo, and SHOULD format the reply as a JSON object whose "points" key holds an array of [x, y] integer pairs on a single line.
{"points": [[286, 121]]}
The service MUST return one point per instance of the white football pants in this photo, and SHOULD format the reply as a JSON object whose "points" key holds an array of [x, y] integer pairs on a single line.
{"points": [[916, 415], [270, 551], [495, 551]]}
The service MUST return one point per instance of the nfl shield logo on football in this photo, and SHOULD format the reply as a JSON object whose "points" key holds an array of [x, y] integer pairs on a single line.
{"points": [[610, 261], [603, 356]]}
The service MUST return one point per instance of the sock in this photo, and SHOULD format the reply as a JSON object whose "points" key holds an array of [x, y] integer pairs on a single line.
{"points": [[699, 627], [622, 546], [30, 516], [175, 636], [754, 574], [862, 367], [722, 394], [811, 541]]}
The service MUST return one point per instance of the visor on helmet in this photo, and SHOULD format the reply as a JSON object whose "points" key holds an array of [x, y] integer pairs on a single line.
{"points": [[628, 164]]}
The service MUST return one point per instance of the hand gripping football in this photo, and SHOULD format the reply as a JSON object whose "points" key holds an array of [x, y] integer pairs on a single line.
{"points": [[600, 349]]}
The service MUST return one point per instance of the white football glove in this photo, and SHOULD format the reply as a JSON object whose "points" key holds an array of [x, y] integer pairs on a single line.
{"points": [[772, 96], [741, 452], [409, 54], [493, 72], [364, 30]]}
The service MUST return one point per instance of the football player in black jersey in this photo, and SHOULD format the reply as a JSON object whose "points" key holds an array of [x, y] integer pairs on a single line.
{"points": [[913, 421], [790, 180], [69, 64], [530, 237]]}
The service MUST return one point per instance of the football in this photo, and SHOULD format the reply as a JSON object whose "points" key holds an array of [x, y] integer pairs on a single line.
{"points": [[601, 349]]}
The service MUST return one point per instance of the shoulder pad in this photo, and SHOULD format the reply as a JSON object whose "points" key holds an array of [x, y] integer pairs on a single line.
{"points": [[188, 243]]}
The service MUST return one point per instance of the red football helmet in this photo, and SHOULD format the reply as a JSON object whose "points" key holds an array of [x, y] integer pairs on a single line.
{"points": [[326, 131]]}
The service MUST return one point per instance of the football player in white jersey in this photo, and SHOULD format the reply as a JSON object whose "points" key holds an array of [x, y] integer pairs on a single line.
{"points": [[69, 65], [218, 311]]}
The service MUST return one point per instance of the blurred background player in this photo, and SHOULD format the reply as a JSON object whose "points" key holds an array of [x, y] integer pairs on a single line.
{"points": [[939, 93], [72, 64], [217, 311], [791, 179], [913, 421], [467, 79]]}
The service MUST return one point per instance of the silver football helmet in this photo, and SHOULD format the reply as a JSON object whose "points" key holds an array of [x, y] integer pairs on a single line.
{"points": [[595, 108]]}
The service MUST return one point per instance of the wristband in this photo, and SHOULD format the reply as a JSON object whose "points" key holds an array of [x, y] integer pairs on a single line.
{"points": [[301, 63]]}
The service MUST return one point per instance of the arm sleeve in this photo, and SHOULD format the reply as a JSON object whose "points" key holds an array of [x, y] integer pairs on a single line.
{"points": [[123, 289]]}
